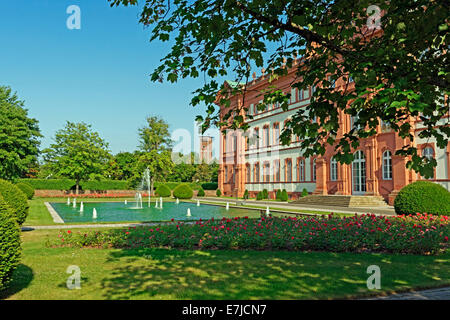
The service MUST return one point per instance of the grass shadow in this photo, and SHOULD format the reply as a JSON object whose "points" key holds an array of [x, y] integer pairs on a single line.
{"points": [[224, 274], [22, 277]]}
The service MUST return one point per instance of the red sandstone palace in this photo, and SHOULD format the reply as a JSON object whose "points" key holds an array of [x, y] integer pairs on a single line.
{"points": [[262, 162]]}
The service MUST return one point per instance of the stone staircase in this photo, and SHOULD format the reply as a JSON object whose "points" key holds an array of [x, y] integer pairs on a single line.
{"points": [[342, 201]]}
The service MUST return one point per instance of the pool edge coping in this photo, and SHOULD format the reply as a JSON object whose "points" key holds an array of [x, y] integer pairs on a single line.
{"points": [[56, 217]]}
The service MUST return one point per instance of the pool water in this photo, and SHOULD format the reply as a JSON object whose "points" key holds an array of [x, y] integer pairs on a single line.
{"points": [[119, 211]]}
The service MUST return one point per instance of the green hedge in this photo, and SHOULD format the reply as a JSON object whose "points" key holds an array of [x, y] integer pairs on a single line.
{"points": [[163, 191], [173, 185], [103, 185], [67, 184], [49, 184], [423, 197], [26, 189], [183, 191], [10, 249], [16, 200], [210, 185]]}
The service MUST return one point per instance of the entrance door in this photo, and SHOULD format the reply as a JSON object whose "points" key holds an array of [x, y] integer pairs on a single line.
{"points": [[359, 173]]}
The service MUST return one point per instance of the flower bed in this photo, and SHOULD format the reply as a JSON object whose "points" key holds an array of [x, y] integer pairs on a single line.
{"points": [[419, 234]]}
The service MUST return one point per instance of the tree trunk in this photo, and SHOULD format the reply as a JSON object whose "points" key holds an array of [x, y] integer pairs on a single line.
{"points": [[77, 186]]}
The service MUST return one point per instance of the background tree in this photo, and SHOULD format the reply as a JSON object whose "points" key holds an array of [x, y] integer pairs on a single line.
{"points": [[159, 164], [182, 172], [155, 135], [214, 167], [19, 137], [202, 174], [121, 165], [78, 153], [155, 153], [401, 73]]}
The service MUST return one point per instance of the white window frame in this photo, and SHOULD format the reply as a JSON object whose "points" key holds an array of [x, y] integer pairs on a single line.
{"points": [[387, 165]]}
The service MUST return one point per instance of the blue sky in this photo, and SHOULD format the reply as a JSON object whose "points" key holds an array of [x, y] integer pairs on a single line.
{"points": [[99, 74]]}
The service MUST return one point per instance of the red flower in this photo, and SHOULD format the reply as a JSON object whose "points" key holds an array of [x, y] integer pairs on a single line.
{"points": [[68, 231]]}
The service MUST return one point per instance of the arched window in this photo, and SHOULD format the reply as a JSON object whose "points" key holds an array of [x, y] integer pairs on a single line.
{"points": [[233, 174], [353, 124], [288, 177], [276, 168], [314, 171], [387, 165], [428, 153], [266, 173], [256, 172], [266, 136], [256, 137], [359, 172], [301, 169], [333, 169], [276, 133], [385, 126]]}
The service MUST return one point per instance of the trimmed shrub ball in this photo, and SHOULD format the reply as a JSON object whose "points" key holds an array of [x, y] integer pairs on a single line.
{"points": [[218, 192], [201, 193], [16, 200], [163, 191], [305, 192], [9, 243], [183, 191], [423, 197], [27, 189]]}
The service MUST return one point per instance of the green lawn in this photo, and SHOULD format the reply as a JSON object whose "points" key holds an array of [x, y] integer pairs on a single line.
{"points": [[192, 274], [214, 274]]}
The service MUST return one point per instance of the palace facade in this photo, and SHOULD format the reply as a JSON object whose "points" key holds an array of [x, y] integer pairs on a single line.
{"points": [[261, 162]]}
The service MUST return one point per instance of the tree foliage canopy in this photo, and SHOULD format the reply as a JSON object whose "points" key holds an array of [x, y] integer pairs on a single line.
{"points": [[78, 153], [19, 136], [401, 73], [155, 135]]}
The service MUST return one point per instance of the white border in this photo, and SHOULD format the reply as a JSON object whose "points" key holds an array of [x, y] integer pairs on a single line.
{"points": [[53, 213]]}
